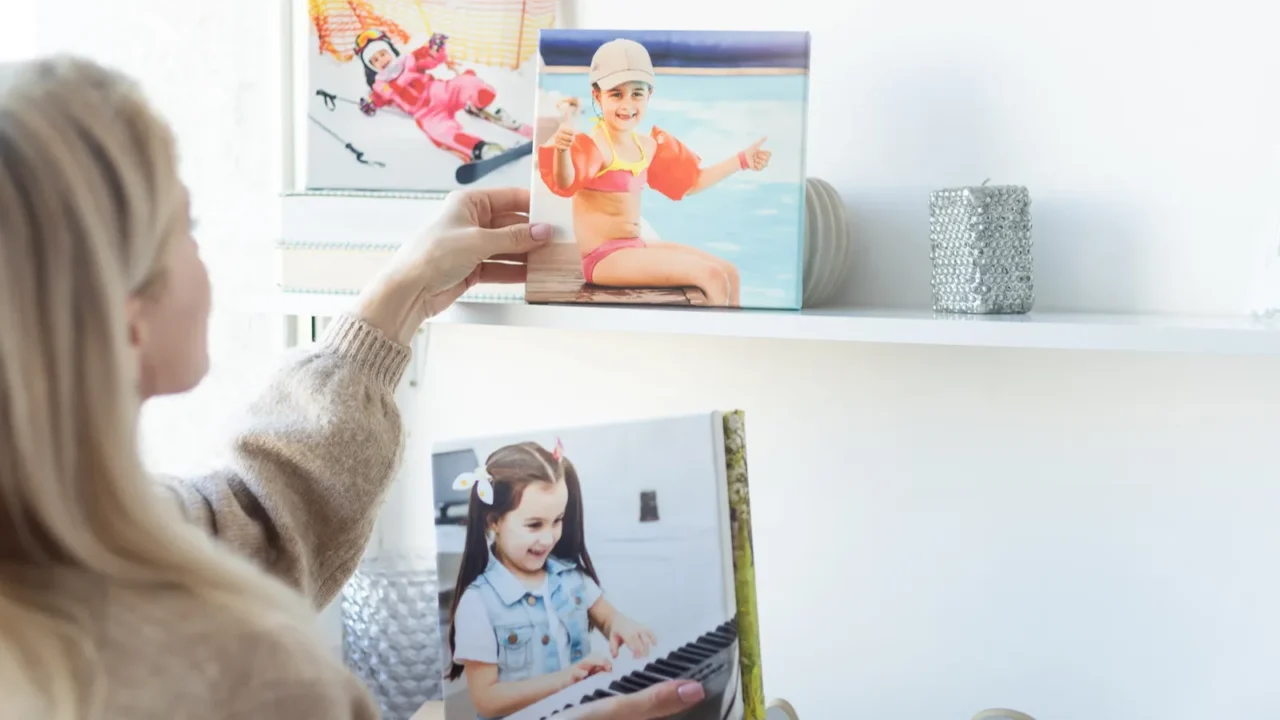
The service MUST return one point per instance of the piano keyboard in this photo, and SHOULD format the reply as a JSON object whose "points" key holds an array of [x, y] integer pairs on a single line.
{"points": [[711, 659]]}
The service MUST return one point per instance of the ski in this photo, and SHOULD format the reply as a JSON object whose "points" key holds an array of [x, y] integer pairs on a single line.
{"points": [[503, 121], [468, 173]]}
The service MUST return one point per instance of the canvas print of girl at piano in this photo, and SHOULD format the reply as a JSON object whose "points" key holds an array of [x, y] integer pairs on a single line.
{"points": [[597, 561]]}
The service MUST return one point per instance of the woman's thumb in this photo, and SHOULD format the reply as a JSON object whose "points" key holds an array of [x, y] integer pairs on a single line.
{"points": [[519, 238], [669, 698]]}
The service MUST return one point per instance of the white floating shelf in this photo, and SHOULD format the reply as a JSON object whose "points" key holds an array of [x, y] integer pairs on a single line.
{"points": [[1066, 331]]}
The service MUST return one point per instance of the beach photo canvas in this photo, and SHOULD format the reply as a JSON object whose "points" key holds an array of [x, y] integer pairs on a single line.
{"points": [[418, 95], [588, 561], [672, 166]]}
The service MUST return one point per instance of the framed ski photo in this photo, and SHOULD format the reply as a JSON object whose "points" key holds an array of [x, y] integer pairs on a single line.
{"points": [[417, 95]]}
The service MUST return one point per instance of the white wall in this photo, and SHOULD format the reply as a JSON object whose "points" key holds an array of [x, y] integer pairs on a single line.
{"points": [[938, 530], [219, 88], [20, 45]]}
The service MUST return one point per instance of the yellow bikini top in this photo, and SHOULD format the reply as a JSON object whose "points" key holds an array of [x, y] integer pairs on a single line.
{"points": [[635, 168]]}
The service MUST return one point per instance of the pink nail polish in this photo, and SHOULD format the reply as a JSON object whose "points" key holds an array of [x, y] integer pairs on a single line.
{"points": [[693, 692]]}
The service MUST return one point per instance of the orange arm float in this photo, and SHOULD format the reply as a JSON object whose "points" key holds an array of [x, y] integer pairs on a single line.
{"points": [[586, 160], [675, 168]]}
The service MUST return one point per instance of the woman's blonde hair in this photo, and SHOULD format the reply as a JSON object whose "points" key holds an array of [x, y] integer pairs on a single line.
{"points": [[89, 199]]}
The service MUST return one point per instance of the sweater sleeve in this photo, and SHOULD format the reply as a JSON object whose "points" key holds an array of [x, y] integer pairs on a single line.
{"points": [[311, 461]]}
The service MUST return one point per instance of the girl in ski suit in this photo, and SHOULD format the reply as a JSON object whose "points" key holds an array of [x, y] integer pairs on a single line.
{"points": [[406, 83]]}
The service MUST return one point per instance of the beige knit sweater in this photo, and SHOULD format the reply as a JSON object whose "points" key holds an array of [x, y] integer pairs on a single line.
{"points": [[310, 465]]}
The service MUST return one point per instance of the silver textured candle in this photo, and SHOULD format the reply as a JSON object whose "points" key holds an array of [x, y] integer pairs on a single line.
{"points": [[391, 634], [981, 249]]}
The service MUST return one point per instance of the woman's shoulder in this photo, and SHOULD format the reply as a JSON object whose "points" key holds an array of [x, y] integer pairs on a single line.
{"points": [[183, 618], [162, 647]]}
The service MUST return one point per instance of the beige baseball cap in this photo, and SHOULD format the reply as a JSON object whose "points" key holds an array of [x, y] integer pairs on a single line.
{"points": [[620, 61]]}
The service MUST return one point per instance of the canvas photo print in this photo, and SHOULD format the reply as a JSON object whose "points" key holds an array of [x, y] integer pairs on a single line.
{"points": [[583, 562], [671, 164], [420, 95]]}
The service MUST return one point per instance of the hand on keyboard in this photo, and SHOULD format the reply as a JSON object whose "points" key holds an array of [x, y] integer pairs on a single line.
{"points": [[659, 701], [584, 669], [632, 634]]}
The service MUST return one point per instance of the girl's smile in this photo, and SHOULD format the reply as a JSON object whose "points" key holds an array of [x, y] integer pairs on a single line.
{"points": [[624, 106], [527, 535], [381, 59]]}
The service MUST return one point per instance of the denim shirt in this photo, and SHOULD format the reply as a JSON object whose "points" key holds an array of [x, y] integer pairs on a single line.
{"points": [[520, 622]]}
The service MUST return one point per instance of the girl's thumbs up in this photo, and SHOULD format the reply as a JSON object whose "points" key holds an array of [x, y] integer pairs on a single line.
{"points": [[568, 110], [753, 158]]}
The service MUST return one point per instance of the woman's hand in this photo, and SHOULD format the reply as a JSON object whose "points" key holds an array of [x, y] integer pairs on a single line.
{"points": [[481, 236], [625, 631], [657, 701]]}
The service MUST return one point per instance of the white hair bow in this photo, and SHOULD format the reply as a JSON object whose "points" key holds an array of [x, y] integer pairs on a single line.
{"points": [[481, 479]]}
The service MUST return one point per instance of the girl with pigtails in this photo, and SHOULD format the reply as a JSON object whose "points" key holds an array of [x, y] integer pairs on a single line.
{"points": [[527, 595]]}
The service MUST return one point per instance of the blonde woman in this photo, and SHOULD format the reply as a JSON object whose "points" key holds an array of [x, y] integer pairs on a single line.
{"points": [[124, 597]]}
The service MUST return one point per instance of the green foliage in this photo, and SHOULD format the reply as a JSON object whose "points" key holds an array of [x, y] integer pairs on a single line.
{"points": [[744, 565]]}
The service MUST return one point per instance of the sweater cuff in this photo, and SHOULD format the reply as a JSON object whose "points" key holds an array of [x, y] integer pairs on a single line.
{"points": [[364, 345]]}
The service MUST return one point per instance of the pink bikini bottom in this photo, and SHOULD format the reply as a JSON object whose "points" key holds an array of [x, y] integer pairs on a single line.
{"points": [[609, 247]]}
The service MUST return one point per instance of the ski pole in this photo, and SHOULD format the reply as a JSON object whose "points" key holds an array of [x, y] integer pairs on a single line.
{"points": [[359, 155], [329, 99]]}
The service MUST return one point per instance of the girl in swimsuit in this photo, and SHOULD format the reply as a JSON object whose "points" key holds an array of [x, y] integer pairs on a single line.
{"points": [[605, 170]]}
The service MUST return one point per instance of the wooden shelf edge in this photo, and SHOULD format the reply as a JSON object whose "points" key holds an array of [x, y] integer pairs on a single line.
{"points": [[1228, 335]]}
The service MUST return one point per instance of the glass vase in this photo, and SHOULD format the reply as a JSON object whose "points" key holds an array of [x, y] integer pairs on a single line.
{"points": [[391, 633]]}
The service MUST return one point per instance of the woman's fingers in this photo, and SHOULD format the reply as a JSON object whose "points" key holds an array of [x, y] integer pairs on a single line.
{"points": [[512, 239], [492, 272], [661, 700], [500, 201], [486, 272], [481, 206], [510, 218]]}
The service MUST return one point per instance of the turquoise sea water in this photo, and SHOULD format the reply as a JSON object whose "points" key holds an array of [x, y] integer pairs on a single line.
{"points": [[754, 220]]}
